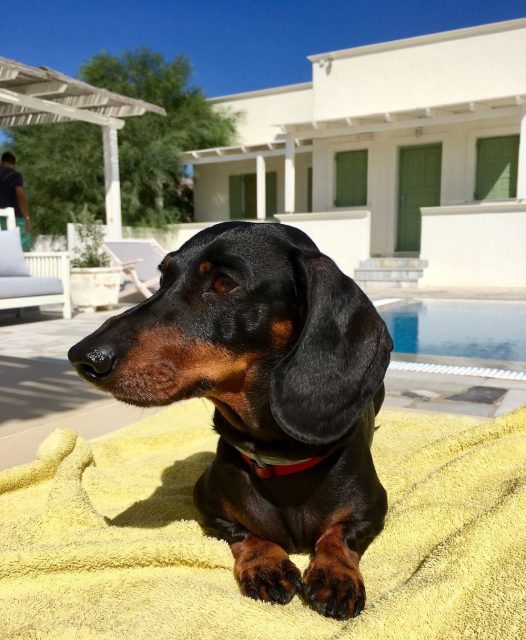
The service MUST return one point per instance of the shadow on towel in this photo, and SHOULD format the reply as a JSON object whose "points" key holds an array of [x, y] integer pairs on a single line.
{"points": [[160, 509]]}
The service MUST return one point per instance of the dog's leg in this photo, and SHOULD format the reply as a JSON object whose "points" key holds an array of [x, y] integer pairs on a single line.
{"points": [[262, 568], [264, 571], [333, 583]]}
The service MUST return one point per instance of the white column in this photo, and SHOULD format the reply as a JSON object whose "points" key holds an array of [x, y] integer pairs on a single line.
{"points": [[290, 175], [112, 182], [521, 173], [261, 182]]}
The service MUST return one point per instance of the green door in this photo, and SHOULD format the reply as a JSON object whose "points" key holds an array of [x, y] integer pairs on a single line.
{"points": [[418, 186]]}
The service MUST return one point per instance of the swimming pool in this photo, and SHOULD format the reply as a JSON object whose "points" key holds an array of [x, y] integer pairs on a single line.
{"points": [[483, 330]]}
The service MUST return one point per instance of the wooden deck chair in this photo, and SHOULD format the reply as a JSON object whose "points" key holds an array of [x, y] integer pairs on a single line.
{"points": [[139, 260]]}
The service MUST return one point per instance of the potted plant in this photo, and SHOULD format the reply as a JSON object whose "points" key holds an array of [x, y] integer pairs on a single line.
{"points": [[95, 282]]}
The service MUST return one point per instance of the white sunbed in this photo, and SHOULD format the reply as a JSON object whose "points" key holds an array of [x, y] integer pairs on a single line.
{"points": [[139, 260]]}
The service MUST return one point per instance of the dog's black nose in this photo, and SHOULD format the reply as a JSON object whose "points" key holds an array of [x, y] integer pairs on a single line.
{"points": [[93, 363]]}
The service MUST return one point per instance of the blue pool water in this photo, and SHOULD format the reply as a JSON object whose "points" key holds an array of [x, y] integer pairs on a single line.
{"points": [[462, 328]]}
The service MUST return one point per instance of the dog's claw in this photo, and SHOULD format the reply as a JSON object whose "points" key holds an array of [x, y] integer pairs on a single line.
{"points": [[296, 581], [360, 605], [331, 606], [312, 589]]}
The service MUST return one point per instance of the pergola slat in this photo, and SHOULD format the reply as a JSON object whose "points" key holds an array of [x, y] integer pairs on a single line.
{"points": [[39, 95]]}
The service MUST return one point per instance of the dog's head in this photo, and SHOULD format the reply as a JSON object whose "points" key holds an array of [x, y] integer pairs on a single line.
{"points": [[251, 316]]}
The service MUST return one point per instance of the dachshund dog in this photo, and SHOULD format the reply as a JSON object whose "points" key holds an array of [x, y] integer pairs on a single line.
{"points": [[293, 355]]}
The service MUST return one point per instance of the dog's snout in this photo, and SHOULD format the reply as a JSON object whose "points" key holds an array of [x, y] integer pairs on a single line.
{"points": [[93, 363]]}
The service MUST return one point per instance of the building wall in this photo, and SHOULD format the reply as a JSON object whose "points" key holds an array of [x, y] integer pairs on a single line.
{"points": [[433, 73], [475, 246], [211, 198], [261, 113], [458, 169]]}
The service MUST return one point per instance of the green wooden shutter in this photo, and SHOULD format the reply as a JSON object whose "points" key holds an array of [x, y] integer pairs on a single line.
{"points": [[235, 192], [309, 189], [250, 195], [497, 166], [351, 178], [271, 192]]}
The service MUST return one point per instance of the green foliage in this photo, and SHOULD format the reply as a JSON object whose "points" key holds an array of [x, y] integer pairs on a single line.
{"points": [[62, 164], [90, 233]]}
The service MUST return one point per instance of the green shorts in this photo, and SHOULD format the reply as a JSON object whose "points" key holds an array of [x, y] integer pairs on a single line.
{"points": [[27, 240]]}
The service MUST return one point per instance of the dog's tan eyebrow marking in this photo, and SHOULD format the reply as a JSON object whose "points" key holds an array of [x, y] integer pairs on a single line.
{"points": [[204, 267]]}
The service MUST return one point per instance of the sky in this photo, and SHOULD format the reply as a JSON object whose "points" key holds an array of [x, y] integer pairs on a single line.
{"points": [[233, 46]]}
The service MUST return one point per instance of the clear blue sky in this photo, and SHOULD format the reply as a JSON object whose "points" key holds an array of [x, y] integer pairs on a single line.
{"points": [[233, 46]]}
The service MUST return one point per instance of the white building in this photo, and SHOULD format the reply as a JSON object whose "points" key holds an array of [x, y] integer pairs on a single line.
{"points": [[413, 148]]}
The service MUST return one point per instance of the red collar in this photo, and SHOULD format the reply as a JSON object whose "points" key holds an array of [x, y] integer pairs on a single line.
{"points": [[265, 471]]}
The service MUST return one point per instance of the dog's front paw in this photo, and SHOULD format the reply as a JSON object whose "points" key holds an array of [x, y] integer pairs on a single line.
{"points": [[264, 571], [334, 589]]}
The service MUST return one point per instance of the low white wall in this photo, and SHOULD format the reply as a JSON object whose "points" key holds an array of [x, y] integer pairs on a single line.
{"points": [[170, 237], [479, 245], [345, 236]]}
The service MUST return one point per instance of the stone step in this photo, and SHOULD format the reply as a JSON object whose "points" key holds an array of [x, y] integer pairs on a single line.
{"points": [[393, 263], [388, 275], [367, 285]]}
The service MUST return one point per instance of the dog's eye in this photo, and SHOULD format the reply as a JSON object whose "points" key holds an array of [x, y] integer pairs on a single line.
{"points": [[223, 283]]}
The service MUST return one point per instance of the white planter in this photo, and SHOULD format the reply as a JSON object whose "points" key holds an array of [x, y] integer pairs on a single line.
{"points": [[95, 287]]}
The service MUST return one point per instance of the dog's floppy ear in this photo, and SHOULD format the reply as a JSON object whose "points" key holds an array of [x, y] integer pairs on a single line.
{"points": [[339, 360]]}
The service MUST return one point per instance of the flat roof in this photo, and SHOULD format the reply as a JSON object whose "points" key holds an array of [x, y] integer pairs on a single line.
{"points": [[441, 36], [289, 88]]}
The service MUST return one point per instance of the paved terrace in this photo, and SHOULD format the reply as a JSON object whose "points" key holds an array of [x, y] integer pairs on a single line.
{"points": [[39, 391]]}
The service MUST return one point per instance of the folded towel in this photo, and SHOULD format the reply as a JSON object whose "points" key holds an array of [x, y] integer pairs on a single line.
{"points": [[101, 539]]}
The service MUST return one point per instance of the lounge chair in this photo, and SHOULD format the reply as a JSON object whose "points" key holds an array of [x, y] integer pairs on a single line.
{"points": [[31, 279], [139, 260]]}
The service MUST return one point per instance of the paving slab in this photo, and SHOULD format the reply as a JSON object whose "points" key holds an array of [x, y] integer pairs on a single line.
{"points": [[467, 408], [479, 394]]}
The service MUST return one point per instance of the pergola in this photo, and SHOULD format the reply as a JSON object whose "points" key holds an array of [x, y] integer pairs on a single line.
{"points": [[39, 95]]}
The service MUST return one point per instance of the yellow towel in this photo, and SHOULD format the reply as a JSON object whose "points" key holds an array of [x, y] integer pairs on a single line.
{"points": [[100, 539]]}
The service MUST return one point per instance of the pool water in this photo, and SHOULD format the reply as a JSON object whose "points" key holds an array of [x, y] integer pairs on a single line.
{"points": [[488, 330]]}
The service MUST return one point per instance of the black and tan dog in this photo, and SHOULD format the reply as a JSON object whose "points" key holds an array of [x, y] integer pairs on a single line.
{"points": [[293, 355]]}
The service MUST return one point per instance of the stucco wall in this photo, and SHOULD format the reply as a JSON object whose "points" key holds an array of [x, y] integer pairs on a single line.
{"points": [[457, 70], [458, 169], [211, 198], [261, 113], [345, 236], [475, 246]]}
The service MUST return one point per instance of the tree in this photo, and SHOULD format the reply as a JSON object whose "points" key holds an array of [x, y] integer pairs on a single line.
{"points": [[62, 163]]}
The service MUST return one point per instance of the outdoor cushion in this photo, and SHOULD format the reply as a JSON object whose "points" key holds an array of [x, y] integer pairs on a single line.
{"points": [[21, 287], [12, 261]]}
